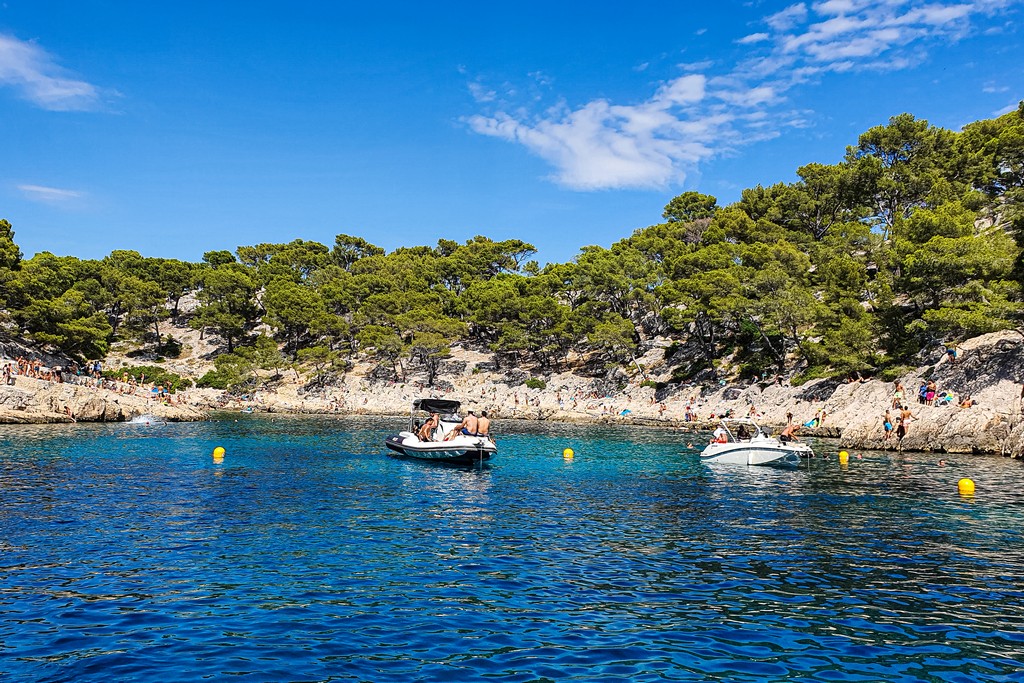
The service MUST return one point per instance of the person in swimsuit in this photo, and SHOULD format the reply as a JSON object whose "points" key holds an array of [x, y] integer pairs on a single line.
{"points": [[789, 433], [467, 427], [903, 422], [483, 425], [426, 432], [897, 396]]}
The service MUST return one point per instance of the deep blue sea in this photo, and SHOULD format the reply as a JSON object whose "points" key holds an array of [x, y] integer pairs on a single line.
{"points": [[308, 554]]}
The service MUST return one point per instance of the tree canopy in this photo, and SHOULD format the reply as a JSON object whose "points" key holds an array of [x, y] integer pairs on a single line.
{"points": [[914, 237]]}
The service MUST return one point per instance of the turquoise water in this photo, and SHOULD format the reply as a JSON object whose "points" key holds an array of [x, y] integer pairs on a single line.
{"points": [[310, 555]]}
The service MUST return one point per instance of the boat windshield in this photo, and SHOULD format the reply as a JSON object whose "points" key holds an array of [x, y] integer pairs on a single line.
{"points": [[742, 433], [741, 429], [418, 417]]}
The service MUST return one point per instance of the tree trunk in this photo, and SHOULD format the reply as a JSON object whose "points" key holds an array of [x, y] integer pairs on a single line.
{"points": [[637, 364]]}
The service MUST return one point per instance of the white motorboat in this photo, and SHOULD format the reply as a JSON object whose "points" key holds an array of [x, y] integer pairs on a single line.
{"points": [[741, 441], [442, 446]]}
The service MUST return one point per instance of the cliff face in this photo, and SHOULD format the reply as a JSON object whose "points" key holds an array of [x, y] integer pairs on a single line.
{"points": [[989, 368], [35, 401]]}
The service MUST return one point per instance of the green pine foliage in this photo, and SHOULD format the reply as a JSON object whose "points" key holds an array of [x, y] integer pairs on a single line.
{"points": [[913, 238], [149, 374]]}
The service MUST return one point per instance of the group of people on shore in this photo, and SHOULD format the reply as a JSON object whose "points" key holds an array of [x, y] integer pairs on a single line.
{"points": [[89, 376], [897, 417], [26, 367]]}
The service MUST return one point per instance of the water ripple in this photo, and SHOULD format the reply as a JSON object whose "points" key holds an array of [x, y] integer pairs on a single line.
{"points": [[308, 555]]}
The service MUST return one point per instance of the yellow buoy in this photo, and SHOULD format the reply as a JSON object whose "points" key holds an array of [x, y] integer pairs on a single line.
{"points": [[965, 487], [218, 453], [568, 453], [844, 458]]}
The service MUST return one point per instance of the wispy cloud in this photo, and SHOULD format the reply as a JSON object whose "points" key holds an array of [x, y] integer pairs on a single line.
{"points": [[702, 65], [788, 18], [49, 195], [1006, 110], [753, 38], [656, 142], [35, 75], [481, 93], [604, 145]]}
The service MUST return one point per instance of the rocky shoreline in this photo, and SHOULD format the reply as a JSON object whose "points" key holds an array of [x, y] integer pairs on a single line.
{"points": [[35, 401], [990, 369]]}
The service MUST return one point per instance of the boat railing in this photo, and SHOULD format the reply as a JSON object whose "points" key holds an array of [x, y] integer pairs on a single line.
{"points": [[742, 429]]}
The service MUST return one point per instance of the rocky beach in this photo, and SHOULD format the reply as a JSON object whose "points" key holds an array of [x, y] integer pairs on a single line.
{"points": [[989, 369]]}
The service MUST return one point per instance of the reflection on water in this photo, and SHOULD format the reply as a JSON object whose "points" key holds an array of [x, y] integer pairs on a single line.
{"points": [[308, 554]]}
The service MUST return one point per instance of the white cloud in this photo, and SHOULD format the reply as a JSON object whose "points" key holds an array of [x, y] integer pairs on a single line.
{"points": [[35, 75], [835, 7], [541, 78], [703, 65], [481, 93], [601, 145], [936, 15], [787, 18], [753, 38], [692, 118], [683, 90], [1006, 110], [866, 28], [49, 195]]}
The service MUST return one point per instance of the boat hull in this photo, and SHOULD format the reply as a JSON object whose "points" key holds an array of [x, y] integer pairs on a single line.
{"points": [[458, 452], [748, 454]]}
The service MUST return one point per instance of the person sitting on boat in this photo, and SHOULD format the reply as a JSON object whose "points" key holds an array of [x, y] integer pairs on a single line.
{"points": [[720, 435], [789, 433], [483, 425], [426, 432], [468, 426]]}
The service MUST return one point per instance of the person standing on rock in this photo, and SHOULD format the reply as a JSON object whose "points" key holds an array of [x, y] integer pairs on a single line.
{"points": [[897, 396], [887, 424], [903, 424], [901, 431]]}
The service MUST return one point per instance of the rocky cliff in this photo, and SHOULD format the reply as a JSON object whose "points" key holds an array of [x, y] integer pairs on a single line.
{"points": [[36, 401], [990, 368]]}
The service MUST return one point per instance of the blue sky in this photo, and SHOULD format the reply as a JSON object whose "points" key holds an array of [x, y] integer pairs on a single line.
{"points": [[178, 128]]}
